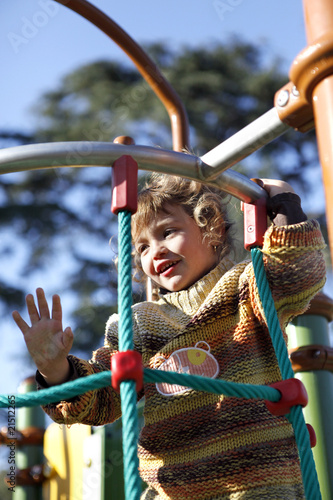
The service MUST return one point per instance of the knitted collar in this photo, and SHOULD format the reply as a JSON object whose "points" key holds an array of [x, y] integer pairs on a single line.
{"points": [[192, 298]]}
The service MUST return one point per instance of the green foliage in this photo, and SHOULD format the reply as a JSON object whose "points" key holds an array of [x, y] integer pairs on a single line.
{"points": [[61, 218]]}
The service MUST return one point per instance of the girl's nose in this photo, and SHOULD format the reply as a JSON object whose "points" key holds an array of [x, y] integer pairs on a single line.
{"points": [[158, 249]]}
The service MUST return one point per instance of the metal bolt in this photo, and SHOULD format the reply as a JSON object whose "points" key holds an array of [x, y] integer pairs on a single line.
{"points": [[283, 98], [250, 229], [124, 139], [294, 91], [47, 469]]}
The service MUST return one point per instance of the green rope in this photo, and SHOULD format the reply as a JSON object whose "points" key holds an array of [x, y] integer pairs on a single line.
{"points": [[68, 390], [128, 393], [308, 468], [271, 315], [125, 281], [206, 384], [57, 393]]}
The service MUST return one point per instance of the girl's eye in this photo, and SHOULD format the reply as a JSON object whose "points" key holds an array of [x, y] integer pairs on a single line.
{"points": [[167, 232], [142, 248]]}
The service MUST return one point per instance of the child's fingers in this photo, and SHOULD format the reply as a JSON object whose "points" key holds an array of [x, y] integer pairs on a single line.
{"points": [[42, 304], [32, 309], [23, 326], [258, 181], [68, 338], [56, 308], [275, 186]]}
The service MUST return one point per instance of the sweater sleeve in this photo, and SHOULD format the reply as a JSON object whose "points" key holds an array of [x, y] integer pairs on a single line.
{"points": [[295, 268], [96, 407]]}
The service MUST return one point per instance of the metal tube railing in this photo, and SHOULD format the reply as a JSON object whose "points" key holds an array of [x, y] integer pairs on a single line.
{"points": [[78, 154], [261, 131]]}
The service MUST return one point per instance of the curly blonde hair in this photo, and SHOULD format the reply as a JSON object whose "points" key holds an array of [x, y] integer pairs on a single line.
{"points": [[206, 205]]}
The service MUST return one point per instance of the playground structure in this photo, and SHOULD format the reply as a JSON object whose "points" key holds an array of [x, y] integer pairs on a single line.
{"points": [[305, 100]]}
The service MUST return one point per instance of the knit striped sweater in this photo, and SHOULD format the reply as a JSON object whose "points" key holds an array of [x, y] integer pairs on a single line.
{"points": [[196, 445]]}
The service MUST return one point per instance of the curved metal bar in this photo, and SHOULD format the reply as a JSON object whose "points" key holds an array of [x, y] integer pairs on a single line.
{"points": [[261, 131], [148, 69], [79, 154]]}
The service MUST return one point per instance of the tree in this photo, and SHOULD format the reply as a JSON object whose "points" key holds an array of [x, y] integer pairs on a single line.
{"points": [[64, 213]]}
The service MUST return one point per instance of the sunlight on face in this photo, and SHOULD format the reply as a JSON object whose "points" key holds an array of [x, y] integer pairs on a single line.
{"points": [[173, 253]]}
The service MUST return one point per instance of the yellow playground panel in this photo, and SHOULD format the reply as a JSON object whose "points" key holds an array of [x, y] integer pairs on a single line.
{"points": [[64, 453]]}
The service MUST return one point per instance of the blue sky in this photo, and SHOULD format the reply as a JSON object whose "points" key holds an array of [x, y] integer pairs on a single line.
{"points": [[41, 41]]}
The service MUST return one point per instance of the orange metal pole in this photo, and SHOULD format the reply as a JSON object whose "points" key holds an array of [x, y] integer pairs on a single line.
{"points": [[323, 113], [150, 72], [319, 25]]}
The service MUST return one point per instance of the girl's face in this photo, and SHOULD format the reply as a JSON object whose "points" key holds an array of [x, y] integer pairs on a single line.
{"points": [[172, 251]]}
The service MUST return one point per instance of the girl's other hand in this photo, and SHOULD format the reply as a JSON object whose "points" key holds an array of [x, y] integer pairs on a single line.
{"points": [[47, 342]]}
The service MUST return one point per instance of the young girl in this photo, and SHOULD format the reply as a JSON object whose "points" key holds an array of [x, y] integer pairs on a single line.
{"points": [[209, 321]]}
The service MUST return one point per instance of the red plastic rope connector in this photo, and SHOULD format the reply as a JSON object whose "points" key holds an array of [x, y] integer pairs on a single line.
{"points": [[127, 365], [255, 223], [124, 185], [312, 435], [292, 392]]}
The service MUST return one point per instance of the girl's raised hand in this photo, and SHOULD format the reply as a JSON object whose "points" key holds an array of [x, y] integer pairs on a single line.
{"points": [[47, 342], [274, 186]]}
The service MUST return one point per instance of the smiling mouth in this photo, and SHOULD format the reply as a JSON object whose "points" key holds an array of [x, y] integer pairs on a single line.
{"points": [[166, 267]]}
